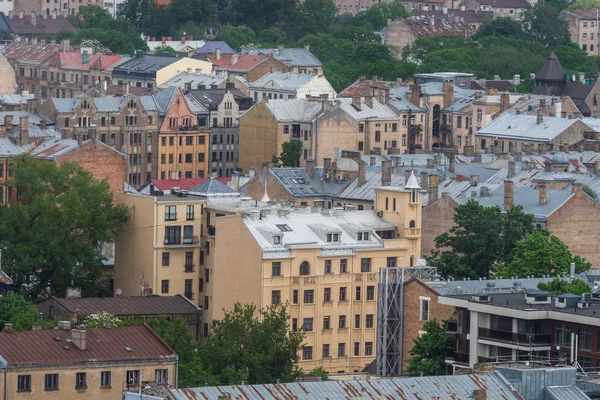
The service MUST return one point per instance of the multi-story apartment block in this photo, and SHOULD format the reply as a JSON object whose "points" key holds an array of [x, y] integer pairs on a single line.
{"points": [[128, 124], [83, 363], [583, 25], [183, 146], [323, 264], [60, 7], [225, 106]]}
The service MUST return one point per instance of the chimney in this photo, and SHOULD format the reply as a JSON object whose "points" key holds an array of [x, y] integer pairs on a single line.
{"points": [[8, 121], [252, 172], [163, 40], [11, 14], [451, 166], [79, 139], [309, 167], [43, 124], [307, 47], [425, 180], [235, 180], [65, 45], [504, 101], [415, 95], [327, 163], [356, 102], [234, 58], [430, 163], [479, 394], [183, 40], [369, 101], [448, 94], [372, 161], [53, 14], [511, 169], [386, 173], [509, 194], [362, 173], [543, 194], [33, 18], [85, 57], [169, 39], [24, 130], [21, 14], [478, 95], [8, 327], [218, 53], [575, 187], [572, 270], [407, 175], [433, 188], [517, 80], [543, 106], [78, 337], [540, 116]]}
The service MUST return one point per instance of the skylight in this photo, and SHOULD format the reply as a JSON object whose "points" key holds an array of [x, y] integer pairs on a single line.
{"points": [[284, 228]]}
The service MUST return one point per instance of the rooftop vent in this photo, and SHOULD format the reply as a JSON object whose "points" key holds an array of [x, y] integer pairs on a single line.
{"points": [[480, 298], [537, 297], [583, 304]]}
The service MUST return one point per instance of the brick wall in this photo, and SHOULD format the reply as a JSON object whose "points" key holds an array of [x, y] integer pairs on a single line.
{"points": [[413, 290], [437, 219], [255, 188], [269, 65], [101, 161]]}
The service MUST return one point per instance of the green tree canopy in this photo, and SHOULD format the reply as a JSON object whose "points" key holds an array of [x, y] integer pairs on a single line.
{"points": [[236, 36], [559, 286], [160, 50], [52, 236], [544, 25], [584, 5], [541, 253], [16, 310], [290, 154], [315, 16], [482, 238], [429, 351], [272, 37], [505, 26]]}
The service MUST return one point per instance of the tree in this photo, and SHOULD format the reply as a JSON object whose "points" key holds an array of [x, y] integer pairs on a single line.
{"points": [[320, 372], [482, 238], [290, 154], [256, 346], [100, 320], [543, 23], [198, 11], [541, 253], [584, 5], [429, 351], [160, 50], [589, 191], [315, 16], [52, 236], [16, 310], [559, 286], [236, 36], [505, 26], [146, 16], [272, 37]]}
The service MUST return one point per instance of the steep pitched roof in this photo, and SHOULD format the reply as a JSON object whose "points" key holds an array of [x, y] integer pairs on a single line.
{"points": [[293, 57], [552, 70], [284, 80], [73, 60], [213, 188], [43, 26]]}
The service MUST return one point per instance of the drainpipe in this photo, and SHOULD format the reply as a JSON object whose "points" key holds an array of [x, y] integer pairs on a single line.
{"points": [[4, 364], [176, 371], [427, 127]]}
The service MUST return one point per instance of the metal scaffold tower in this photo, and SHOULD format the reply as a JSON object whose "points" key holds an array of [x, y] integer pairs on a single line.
{"points": [[390, 314]]}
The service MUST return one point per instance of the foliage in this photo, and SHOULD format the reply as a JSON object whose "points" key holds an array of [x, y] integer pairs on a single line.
{"points": [[559, 286], [52, 236], [320, 372], [272, 37], [96, 46], [588, 190], [201, 12], [256, 14], [429, 351], [164, 49], [481, 239], [236, 36], [504, 26], [315, 16], [16, 310], [99, 321], [541, 253], [290, 154], [544, 25], [584, 5], [254, 346], [376, 16]]}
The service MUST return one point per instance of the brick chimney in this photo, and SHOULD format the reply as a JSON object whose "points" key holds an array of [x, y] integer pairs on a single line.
{"points": [[540, 116], [448, 94], [8, 121], [24, 130], [369, 101], [356, 102], [425, 180], [163, 40], [79, 338], [576, 187], [509, 194], [430, 163], [183, 40], [309, 166], [433, 188], [511, 169], [386, 173], [543, 194], [234, 59], [362, 173], [479, 394], [504, 101], [415, 95], [33, 18], [218, 53]]}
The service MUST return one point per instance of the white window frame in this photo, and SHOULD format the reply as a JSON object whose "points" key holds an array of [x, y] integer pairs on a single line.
{"points": [[422, 300]]}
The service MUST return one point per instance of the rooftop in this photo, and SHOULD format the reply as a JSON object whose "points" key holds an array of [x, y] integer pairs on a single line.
{"points": [[378, 111], [144, 64], [293, 110], [122, 306], [194, 80], [211, 47], [43, 26], [244, 62], [177, 45], [293, 57], [519, 126], [74, 60], [212, 187], [282, 81]]}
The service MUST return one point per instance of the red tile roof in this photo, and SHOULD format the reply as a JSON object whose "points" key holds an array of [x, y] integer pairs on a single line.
{"points": [[245, 61], [73, 60], [183, 183], [50, 347]]}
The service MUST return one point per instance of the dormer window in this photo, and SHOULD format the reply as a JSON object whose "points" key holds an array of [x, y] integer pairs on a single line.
{"points": [[333, 237], [284, 227], [362, 236], [85, 105], [277, 239], [131, 103]]}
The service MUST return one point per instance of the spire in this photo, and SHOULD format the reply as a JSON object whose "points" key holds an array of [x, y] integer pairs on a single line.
{"points": [[412, 182], [265, 197]]}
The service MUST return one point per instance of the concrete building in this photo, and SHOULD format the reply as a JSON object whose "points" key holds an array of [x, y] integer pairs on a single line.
{"points": [[583, 25], [185, 64], [290, 85], [83, 363], [42, 8]]}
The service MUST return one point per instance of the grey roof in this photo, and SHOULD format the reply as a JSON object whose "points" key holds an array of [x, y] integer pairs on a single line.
{"points": [[551, 70], [33, 118], [400, 101], [525, 127], [165, 97], [103, 104], [437, 88], [16, 99], [293, 110], [298, 184], [379, 111], [145, 64], [194, 79], [566, 393], [431, 387], [294, 57], [289, 81], [211, 98], [212, 46], [213, 188]]}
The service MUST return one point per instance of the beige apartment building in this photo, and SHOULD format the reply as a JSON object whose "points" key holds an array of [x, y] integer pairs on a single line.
{"points": [[583, 25]]}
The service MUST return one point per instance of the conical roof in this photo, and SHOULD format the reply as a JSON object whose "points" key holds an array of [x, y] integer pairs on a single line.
{"points": [[212, 187], [412, 182], [551, 70]]}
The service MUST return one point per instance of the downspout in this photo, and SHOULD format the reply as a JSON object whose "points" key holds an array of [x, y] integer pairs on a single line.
{"points": [[4, 364], [427, 127], [176, 371], [316, 155]]}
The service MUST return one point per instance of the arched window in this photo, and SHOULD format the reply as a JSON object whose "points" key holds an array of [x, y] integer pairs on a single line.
{"points": [[387, 202], [436, 121], [394, 204], [411, 224], [305, 268]]}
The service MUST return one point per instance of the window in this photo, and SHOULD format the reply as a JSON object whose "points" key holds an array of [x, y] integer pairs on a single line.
{"points": [[361, 146], [479, 114], [327, 294], [80, 381], [333, 237], [394, 127], [365, 265], [67, 122], [24, 383], [326, 323], [341, 349], [459, 121], [133, 377], [170, 213], [307, 353], [166, 259], [187, 289], [369, 321], [368, 348], [387, 203], [585, 36], [206, 302], [343, 266], [276, 268], [424, 309], [161, 375], [377, 136], [391, 262], [172, 235], [357, 321], [356, 349], [326, 351], [343, 294], [308, 324], [286, 129], [51, 382], [189, 214], [105, 379], [342, 322], [188, 234], [164, 287], [295, 297], [328, 267], [358, 288], [305, 268], [275, 297], [309, 296], [459, 141], [585, 339]]}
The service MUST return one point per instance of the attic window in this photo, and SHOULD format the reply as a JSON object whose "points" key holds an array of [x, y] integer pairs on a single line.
{"points": [[333, 237], [131, 103], [284, 228], [362, 236], [277, 239], [299, 180]]}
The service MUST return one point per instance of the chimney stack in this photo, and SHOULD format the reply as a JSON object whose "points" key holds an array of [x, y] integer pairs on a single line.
{"points": [[372, 161], [8, 327], [356, 102], [430, 163], [24, 130], [235, 180], [33, 18], [540, 116], [425, 181], [234, 58], [509, 194], [451, 164], [504, 101], [448, 94], [362, 173], [386, 173], [8, 122], [511, 169], [218, 53], [415, 95], [369, 101], [479, 394], [43, 124], [78, 337], [433, 189], [309, 166], [575, 187], [183, 40]]}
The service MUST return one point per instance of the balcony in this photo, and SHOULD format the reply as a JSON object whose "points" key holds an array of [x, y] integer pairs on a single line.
{"points": [[416, 128], [212, 231], [187, 241], [412, 233], [189, 267], [451, 328], [459, 358], [513, 337]]}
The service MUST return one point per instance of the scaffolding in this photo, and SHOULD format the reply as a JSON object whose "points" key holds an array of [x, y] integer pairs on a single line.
{"points": [[390, 307]]}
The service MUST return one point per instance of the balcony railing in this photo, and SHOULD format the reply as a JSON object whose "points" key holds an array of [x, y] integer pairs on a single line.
{"points": [[187, 240], [191, 240], [513, 337], [416, 128], [413, 232], [458, 357], [189, 267]]}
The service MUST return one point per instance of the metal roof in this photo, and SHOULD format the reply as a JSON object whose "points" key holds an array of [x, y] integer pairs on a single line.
{"points": [[213, 188], [400, 101], [431, 387], [144, 64], [525, 127], [194, 79], [293, 110], [211, 47], [566, 393], [294, 57], [283, 80], [379, 111], [298, 184]]}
